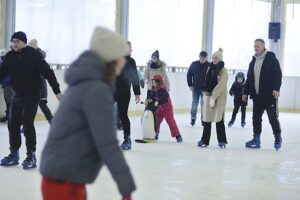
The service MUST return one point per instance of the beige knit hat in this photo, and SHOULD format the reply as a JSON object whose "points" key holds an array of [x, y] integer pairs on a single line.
{"points": [[219, 54], [108, 45], [33, 43]]}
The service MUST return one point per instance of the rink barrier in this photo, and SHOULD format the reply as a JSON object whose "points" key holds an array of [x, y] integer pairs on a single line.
{"points": [[41, 117], [173, 69]]}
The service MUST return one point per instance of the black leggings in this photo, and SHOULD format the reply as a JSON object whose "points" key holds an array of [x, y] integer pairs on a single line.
{"points": [[123, 104], [45, 109], [236, 110], [221, 133]]}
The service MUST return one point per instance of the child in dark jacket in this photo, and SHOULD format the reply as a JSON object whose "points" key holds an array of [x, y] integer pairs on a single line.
{"points": [[161, 97], [236, 91]]}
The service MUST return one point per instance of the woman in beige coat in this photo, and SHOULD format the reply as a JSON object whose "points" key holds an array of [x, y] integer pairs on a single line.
{"points": [[215, 99], [155, 66]]}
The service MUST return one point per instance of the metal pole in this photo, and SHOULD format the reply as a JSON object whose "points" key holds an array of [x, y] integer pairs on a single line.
{"points": [[10, 21], [122, 17], [276, 16], [208, 26]]}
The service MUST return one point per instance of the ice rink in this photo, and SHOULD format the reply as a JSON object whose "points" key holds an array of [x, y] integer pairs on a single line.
{"points": [[169, 171]]}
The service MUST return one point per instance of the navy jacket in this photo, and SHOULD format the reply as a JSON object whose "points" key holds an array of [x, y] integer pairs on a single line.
{"points": [[196, 75], [25, 69], [161, 95], [128, 77], [237, 90], [6, 81], [270, 77]]}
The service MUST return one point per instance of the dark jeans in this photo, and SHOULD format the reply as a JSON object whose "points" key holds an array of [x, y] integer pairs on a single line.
{"points": [[8, 93], [261, 104], [197, 96], [123, 100], [45, 109], [221, 133], [236, 110], [23, 111]]}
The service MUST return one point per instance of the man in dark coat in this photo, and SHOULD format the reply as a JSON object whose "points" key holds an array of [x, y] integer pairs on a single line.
{"points": [[263, 85], [196, 80], [25, 65], [128, 77]]}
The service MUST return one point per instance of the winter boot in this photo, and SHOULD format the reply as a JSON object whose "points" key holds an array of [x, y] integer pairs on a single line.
{"points": [[254, 143], [11, 159], [126, 145], [222, 145], [278, 141], [201, 144], [193, 122], [179, 139], [243, 124], [230, 124], [30, 161], [156, 136]]}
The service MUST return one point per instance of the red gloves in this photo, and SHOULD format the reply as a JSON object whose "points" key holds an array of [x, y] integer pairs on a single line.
{"points": [[127, 197]]}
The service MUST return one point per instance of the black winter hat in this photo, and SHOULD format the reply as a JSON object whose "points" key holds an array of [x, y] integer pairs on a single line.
{"points": [[240, 75], [19, 35], [203, 54], [155, 54]]}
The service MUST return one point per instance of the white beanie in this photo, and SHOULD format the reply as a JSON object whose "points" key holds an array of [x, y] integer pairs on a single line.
{"points": [[108, 45], [219, 54], [33, 43]]}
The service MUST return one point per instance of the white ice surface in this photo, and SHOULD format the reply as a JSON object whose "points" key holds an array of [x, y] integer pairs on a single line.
{"points": [[170, 171]]}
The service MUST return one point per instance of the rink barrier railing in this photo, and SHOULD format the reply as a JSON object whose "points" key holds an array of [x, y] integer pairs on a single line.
{"points": [[172, 69]]}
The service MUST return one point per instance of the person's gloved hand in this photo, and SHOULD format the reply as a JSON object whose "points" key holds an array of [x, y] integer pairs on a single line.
{"points": [[142, 83], [212, 102], [127, 197], [156, 103]]}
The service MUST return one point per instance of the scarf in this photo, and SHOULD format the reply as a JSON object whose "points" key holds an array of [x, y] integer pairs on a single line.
{"points": [[212, 76]]}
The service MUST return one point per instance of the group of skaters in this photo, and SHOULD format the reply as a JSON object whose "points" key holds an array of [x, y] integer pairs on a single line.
{"points": [[208, 82], [103, 75]]}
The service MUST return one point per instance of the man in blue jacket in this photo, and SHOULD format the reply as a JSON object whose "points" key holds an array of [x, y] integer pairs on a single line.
{"points": [[263, 85], [196, 80], [25, 65]]}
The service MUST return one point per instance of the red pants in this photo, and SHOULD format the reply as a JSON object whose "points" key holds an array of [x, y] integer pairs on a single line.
{"points": [[55, 190], [165, 111]]}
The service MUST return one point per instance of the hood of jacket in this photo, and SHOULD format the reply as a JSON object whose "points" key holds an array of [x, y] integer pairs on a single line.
{"points": [[87, 67], [240, 75], [160, 64]]}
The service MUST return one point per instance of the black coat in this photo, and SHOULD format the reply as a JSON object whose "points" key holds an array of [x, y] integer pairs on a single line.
{"points": [[25, 69], [237, 91], [270, 77], [196, 75], [127, 78]]}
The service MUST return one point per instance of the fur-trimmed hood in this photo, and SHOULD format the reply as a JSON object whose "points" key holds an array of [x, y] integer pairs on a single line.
{"points": [[160, 64]]}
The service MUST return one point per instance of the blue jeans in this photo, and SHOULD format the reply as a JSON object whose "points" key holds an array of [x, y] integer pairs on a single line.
{"points": [[197, 94]]}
